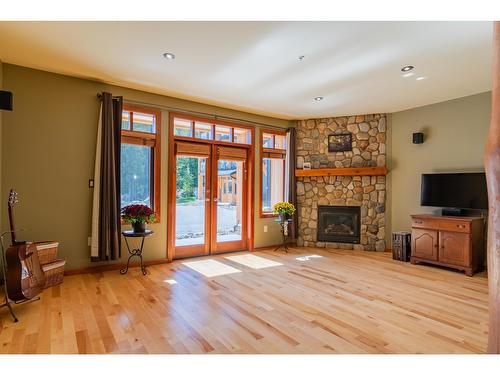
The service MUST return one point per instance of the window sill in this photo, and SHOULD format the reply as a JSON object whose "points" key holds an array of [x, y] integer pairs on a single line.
{"points": [[266, 215]]}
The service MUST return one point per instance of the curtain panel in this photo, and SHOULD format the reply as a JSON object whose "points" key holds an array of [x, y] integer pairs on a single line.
{"points": [[290, 181], [106, 222]]}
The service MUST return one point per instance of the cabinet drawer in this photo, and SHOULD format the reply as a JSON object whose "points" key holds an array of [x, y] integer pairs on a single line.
{"points": [[448, 225]]}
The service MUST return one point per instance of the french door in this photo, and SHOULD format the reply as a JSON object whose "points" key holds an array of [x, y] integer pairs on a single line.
{"points": [[211, 187]]}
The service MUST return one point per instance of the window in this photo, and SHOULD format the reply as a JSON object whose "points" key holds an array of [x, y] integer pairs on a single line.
{"points": [[140, 158], [272, 179], [210, 131]]}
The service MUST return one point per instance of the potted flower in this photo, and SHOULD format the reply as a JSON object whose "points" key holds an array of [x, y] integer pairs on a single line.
{"points": [[138, 215], [285, 210]]}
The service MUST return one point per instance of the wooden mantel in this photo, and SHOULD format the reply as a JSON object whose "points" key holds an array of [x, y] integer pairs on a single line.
{"points": [[366, 171]]}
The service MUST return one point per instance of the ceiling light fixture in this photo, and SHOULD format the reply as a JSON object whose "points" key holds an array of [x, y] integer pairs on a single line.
{"points": [[169, 55], [318, 98], [420, 78], [407, 68], [406, 75], [301, 57]]}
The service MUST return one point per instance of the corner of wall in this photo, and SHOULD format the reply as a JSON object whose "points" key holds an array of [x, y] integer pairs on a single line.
{"points": [[1, 114], [388, 202]]}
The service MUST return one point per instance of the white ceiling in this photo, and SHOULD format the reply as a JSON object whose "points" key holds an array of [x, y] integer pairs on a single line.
{"points": [[254, 66]]}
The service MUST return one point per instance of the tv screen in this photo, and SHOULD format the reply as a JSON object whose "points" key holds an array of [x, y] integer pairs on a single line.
{"points": [[458, 190]]}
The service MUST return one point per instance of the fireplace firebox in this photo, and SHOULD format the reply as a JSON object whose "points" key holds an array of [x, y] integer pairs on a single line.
{"points": [[339, 224]]}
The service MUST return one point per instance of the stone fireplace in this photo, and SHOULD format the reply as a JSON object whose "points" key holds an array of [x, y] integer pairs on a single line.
{"points": [[339, 224], [363, 193]]}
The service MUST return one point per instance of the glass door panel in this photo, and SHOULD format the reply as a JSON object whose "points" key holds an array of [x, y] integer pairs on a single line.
{"points": [[191, 201], [210, 200], [229, 200]]}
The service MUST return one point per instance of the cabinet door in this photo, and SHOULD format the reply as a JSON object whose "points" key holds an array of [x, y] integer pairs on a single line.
{"points": [[424, 244], [454, 248]]}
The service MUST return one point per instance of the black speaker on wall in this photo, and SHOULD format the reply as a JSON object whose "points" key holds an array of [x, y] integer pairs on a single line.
{"points": [[6, 100], [418, 138]]}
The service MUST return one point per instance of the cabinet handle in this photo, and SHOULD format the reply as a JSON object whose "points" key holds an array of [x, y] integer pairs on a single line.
{"points": [[460, 225], [418, 222]]}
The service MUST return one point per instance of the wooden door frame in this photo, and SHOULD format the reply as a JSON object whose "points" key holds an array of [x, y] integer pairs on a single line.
{"points": [[170, 170], [201, 249], [219, 248]]}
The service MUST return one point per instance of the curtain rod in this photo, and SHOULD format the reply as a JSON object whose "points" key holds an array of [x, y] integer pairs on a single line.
{"points": [[189, 112]]}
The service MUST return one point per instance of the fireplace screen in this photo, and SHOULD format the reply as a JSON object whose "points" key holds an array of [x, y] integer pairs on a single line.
{"points": [[338, 224]]}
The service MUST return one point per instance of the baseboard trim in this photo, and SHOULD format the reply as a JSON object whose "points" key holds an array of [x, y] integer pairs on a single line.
{"points": [[112, 267]]}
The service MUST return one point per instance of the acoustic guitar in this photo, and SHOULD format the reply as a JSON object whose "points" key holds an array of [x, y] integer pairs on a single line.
{"points": [[25, 278]]}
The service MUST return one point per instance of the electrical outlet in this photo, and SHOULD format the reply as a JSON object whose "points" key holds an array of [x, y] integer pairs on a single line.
{"points": [[265, 228], [91, 183]]}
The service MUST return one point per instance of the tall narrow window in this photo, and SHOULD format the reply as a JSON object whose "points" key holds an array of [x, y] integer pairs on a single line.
{"points": [[272, 179], [140, 157]]}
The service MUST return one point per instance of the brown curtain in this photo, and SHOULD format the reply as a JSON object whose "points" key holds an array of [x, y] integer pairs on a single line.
{"points": [[108, 210], [290, 182]]}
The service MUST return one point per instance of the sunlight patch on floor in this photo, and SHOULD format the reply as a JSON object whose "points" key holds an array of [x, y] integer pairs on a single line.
{"points": [[305, 258], [211, 267], [253, 261]]}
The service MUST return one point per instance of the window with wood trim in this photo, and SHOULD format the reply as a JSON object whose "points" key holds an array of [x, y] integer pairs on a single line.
{"points": [[216, 131], [140, 157], [272, 176]]}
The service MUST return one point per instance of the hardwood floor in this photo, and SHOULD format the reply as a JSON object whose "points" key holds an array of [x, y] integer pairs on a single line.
{"points": [[344, 302]]}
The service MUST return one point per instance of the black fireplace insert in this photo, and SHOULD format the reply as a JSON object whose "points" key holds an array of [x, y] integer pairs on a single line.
{"points": [[339, 224]]}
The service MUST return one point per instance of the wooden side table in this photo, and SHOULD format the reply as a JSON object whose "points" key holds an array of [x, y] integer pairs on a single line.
{"points": [[284, 233], [137, 252]]}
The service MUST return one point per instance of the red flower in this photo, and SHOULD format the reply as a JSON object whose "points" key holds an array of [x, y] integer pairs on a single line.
{"points": [[137, 213]]}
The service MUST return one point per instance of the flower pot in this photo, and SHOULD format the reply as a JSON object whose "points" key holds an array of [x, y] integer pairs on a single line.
{"points": [[284, 217], [139, 227]]}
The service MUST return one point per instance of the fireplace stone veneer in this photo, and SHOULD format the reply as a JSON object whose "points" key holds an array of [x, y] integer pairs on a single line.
{"points": [[366, 192]]}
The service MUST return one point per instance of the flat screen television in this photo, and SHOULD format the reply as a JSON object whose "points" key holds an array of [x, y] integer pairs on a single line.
{"points": [[455, 190]]}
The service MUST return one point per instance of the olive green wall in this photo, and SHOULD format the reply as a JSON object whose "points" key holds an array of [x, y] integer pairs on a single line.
{"points": [[48, 150], [455, 133], [48, 144]]}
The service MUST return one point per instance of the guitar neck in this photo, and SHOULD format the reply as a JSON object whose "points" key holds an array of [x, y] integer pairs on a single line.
{"points": [[12, 228]]}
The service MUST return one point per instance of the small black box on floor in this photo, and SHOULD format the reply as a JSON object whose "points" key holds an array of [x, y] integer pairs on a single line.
{"points": [[401, 246]]}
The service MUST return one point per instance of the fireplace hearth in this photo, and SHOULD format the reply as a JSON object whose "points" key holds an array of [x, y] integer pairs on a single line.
{"points": [[339, 224]]}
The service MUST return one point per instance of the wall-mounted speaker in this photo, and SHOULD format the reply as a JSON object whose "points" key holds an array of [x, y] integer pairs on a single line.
{"points": [[6, 100], [418, 138]]}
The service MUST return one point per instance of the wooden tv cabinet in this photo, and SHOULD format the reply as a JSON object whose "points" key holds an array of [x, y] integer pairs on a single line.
{"points": [[451, 241]]}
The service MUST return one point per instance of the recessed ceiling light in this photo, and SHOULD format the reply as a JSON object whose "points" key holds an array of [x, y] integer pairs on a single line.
{"points": [[406, 75], [301, 57], [318, 98], [407, 68], [420, 78], [169, 55]]}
